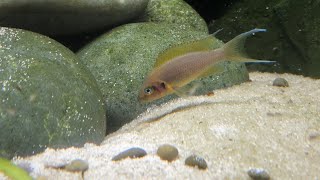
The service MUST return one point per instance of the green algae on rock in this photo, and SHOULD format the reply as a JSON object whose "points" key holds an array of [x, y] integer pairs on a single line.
{"points": [[175, 12], [120, 59], [48, 98], [61, 17]]}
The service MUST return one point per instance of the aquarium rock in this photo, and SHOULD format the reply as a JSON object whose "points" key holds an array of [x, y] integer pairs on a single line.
{"points": [[167, 152], [258, 174], [281, 82], [48, 98], [63, 17], [196, 161], [134, 152]]}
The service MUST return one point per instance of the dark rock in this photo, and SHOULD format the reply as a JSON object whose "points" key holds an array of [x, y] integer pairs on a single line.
{"points": [[61, 17], [131, 153], [168, 152], [48, 98], [292, 38], [258, 174], [195, 160], [281, 82]]}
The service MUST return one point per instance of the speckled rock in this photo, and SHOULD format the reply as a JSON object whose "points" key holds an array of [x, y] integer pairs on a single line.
{"points": [[281, 82], [196, 161], [175, 12], [168, 152], [47, 97], [77, 165], [134, 152], [61, 17], [121, 59], [258, 174]]}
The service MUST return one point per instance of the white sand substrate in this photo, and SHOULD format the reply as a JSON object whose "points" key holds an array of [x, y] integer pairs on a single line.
{"points": [[252, 125]]}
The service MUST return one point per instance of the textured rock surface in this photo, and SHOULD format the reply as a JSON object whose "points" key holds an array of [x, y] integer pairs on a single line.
{"points": [[47, 97], [293, 32], [119, 60], [175, 12], [252, 125], [61, 17]]}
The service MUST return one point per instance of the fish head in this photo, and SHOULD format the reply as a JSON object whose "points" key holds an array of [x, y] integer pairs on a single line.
{"points": [[151, 91]]}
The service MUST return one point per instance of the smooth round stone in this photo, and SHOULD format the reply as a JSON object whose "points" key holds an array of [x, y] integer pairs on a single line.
{"points": [[196, 161], [48, 98], [168, 152], [77, 165], [258, 174], [131, 153], [64, 17], [175, 12], [281, 82]]}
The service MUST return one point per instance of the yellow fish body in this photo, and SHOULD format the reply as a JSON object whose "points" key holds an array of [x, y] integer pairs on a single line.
{"points": [[178, 66]]}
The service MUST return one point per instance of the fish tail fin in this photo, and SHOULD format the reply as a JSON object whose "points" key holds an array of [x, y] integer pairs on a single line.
{"points": [[234, 49]]}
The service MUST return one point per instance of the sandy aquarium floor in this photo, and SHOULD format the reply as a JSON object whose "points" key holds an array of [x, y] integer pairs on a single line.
{"points": [[252, 125]]}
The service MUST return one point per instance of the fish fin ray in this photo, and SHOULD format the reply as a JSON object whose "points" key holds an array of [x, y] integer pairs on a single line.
{"points": [[234, 49], [184, 48], [187, 90]]}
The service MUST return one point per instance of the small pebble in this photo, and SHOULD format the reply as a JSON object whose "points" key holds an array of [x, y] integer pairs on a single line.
{"points": [[195, 160], [132, 153], [314, 136], [77, 165], [258, 174], [281, 82], [168, 152]]}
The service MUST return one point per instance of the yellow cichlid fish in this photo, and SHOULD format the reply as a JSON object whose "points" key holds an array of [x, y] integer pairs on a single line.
{"points": [[178, 66]]}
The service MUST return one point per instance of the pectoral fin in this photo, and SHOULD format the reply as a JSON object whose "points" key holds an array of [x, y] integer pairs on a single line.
{"points": [[186, 90]]}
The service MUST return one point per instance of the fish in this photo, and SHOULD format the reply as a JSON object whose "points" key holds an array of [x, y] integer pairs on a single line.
{"points": [[181, 64]]}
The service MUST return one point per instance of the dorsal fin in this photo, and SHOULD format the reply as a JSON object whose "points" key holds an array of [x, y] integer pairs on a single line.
{"points": [[204, 44]]}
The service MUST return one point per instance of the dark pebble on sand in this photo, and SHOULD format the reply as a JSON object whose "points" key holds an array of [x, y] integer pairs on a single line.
{"points": [[195, 160], [168, 152], [132, 153], [77, 165], [258, 174], [281, 82]]}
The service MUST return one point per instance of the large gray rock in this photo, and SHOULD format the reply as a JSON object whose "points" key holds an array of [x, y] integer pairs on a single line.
{"points": [[47, 97], [175, 12], [293, 32], [63, 17], [121, 59]]}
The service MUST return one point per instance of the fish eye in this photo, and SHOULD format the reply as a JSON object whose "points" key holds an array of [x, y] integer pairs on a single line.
{"points": [[148, 90]]}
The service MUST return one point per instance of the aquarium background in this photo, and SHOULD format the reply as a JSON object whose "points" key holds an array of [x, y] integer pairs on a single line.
{"points": [[293, 37]]}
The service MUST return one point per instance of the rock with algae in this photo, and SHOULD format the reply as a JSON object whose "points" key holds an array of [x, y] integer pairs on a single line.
{"points": [[47, 97]]}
